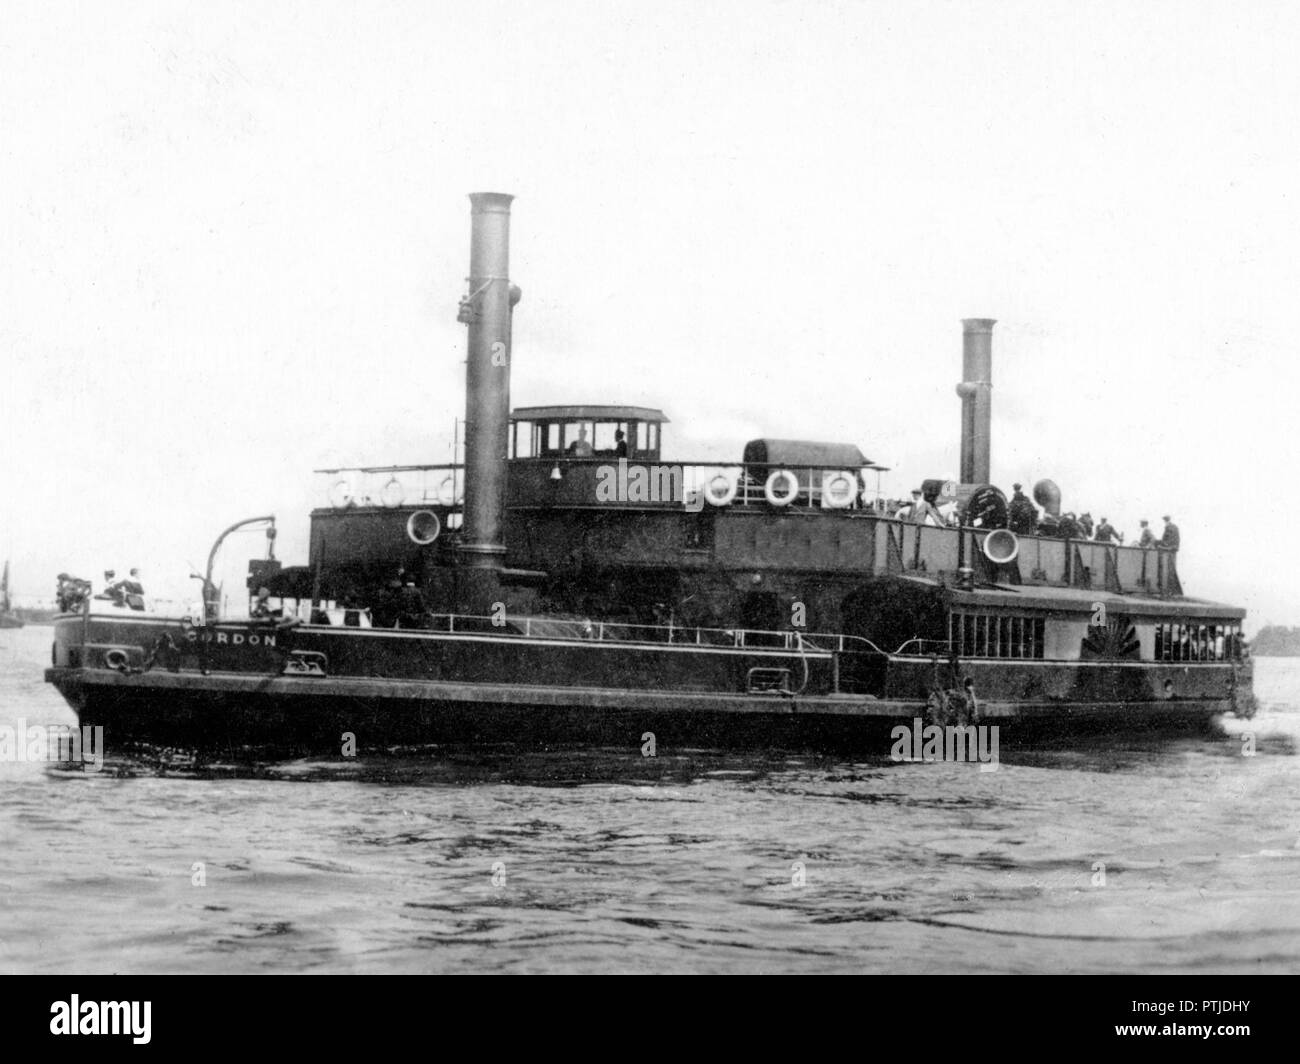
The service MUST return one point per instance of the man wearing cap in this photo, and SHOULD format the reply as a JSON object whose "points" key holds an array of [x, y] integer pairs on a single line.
{"points": [[1169, 539], [1106, 532], [1147, 538], [904, 512], [1022, 515], [924, 507]]}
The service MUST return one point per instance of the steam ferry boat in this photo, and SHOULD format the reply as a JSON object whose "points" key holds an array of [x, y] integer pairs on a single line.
{"points": [[566, 576]]}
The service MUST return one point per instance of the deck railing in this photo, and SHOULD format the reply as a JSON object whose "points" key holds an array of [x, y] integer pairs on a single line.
{"points": [[612, 631], [390, 486], [668, 483]]}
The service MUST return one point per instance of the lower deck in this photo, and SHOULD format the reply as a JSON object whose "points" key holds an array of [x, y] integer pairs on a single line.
{"points": [[153, 678]]}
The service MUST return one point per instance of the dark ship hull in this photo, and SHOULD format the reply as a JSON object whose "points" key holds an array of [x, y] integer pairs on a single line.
{"points": [[768, 598], [308, 687]]}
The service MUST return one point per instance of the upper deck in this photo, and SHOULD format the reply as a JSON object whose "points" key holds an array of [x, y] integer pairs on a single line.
{"points": [[592, 475], [698, 515]]}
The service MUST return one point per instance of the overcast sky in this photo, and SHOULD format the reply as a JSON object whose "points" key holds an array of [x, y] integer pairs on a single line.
{"points": [[234, 236]]}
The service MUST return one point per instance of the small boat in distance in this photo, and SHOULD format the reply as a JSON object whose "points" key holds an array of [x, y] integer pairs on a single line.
{"points": [[8, 619]]}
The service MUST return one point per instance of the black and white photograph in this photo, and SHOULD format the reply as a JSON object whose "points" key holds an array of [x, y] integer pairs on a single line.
{"points": [[717, 488]]}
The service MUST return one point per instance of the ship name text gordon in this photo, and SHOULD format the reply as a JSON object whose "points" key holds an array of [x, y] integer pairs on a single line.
{"points": [[202, 635]]}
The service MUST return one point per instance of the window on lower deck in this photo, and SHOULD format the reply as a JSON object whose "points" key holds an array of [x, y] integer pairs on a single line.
{"points": [[1186, 641], [982, 635]]}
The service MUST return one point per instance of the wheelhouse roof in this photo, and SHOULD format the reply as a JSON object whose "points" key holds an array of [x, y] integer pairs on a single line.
{"points": [[587, 413]]}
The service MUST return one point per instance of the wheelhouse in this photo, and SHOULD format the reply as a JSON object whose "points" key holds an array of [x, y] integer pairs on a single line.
{"points": [[549, 432]]}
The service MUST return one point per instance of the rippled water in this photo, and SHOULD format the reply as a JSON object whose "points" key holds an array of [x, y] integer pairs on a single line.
{"points": [[608, 861]]}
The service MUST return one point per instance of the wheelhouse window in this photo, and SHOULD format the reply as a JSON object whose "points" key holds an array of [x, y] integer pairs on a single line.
{"points": [[525, 440], [576, 432], [599, 432], [984, 635], [607, 436]]}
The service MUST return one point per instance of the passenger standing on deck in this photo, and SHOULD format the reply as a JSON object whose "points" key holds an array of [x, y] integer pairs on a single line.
{"points": [[1068, 528], [1148, 538], [620, 444], [1022, 515], [905, 512], [388, 605], [924, 508], [1106, 532], [412, 607], [1085, 523], [1169, 539]]}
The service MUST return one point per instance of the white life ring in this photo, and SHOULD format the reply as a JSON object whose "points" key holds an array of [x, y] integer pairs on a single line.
{"points": [[392, 493], [770, 492], [726, 495], [839, 489], [423, 527], [340, 494]]}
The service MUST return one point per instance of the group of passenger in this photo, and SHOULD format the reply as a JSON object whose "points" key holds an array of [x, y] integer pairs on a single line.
{"points": [[127, 592], [400, 604], [1199, 643], [1025, 519], [71, 592]]}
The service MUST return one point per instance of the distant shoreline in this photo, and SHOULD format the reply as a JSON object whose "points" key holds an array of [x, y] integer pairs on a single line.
{"points": [[1276, 641]]}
